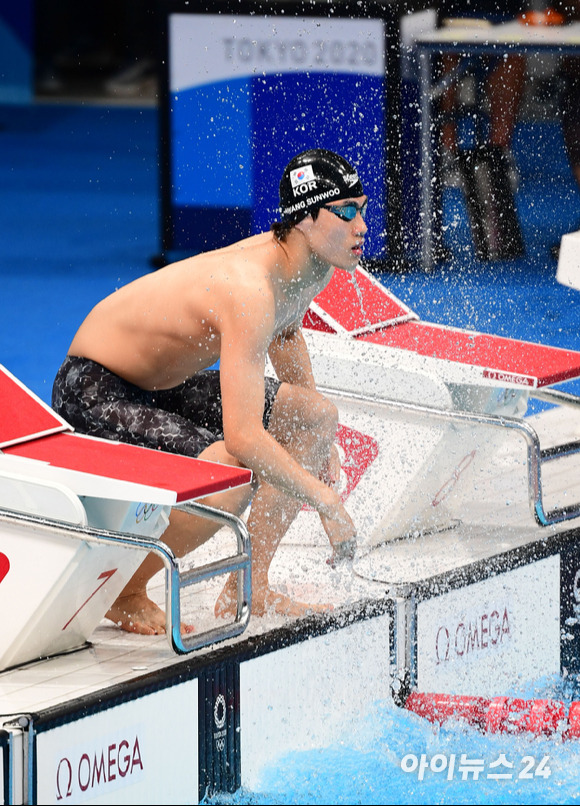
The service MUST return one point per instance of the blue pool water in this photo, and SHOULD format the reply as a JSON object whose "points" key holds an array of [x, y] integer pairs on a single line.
{"points": [[366, 767]]}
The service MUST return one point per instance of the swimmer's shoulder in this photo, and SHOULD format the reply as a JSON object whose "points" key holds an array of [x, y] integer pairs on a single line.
{"points": [[247, 264], [249, 248], [254, 243]]}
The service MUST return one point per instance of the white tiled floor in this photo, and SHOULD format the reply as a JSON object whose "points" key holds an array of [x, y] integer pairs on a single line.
{"points": [[115, 657]]}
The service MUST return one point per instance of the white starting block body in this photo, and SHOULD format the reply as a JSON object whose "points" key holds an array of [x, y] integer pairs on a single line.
{"points": [[405, 470], [568, 272], [69, 583], [417, 470], [72, 484]]}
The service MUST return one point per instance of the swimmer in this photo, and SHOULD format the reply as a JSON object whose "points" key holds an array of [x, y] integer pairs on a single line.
{"points": [[137, 371]]}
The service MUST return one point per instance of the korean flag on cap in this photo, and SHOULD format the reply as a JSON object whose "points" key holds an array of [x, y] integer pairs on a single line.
{"points": [[300, 175]]}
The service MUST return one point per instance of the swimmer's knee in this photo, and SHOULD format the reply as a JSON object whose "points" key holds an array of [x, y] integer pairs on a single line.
{"points": [[237, 499], [299, 411], [217, 452], [312, 407], [321, 414], [329, 411]]}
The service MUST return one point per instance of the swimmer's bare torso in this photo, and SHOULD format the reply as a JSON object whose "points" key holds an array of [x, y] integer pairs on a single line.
{"points": [[168, 325]]}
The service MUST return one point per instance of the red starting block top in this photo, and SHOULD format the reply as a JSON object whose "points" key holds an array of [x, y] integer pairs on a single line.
{"points": [[368, 311], [189, 478], [355, 304], [24, 415], [30, 429], [520, 362]]}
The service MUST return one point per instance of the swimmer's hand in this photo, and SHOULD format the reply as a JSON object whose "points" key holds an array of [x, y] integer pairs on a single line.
{"points": [[342, 553], [341, 533], [330, 474]]}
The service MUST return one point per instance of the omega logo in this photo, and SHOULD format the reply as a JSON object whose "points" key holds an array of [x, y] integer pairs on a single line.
{"points": [[95, 769], [486, 631]]}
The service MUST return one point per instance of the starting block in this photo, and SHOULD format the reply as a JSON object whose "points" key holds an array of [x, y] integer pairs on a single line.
{"points": [[78, 516], [568, 272], [422, 408]]}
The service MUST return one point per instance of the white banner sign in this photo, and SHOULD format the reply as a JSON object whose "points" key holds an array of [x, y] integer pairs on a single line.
{"points": [[208, 48]]}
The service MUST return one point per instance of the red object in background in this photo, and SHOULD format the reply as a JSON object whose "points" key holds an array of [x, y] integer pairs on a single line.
{"points": [[540, 717], [549, 16]]}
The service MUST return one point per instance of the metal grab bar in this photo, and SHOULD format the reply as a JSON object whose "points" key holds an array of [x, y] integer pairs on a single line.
{"points": [[175, 580], [240, 563], [556, 396], [534, 454]]}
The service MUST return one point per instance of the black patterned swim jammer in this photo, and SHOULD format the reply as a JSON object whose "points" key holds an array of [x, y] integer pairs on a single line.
{"points": [[185, 419]]}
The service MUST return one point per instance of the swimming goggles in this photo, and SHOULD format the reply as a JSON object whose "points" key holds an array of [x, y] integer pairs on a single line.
{"points": [[347, 212]]}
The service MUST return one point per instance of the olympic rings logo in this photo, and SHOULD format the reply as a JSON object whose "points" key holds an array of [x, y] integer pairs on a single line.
{"points": [[446, 488], [144, 512]]}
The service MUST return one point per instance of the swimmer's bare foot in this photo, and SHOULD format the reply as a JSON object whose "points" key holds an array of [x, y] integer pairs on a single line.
{"points": [[137, 613], [275, 602], [270, 602]]}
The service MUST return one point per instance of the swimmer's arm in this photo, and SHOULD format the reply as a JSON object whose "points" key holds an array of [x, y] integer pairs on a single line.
{"points": [[290, 359], [242, 365]]}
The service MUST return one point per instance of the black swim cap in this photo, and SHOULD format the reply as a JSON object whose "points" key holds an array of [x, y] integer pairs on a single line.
{"points": [[315, 178]]}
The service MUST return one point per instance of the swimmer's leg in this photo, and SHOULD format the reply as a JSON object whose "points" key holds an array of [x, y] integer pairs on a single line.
{"points": [[305, 423], [133, 610]]}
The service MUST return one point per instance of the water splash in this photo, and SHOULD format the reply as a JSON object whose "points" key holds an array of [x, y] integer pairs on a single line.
{"points": [[366, 768], [354, 281]]}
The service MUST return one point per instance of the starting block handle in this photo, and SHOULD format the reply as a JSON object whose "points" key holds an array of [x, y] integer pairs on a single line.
{"points": [[240, 563], [534, 452], [175, 580], [557, 397]]}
